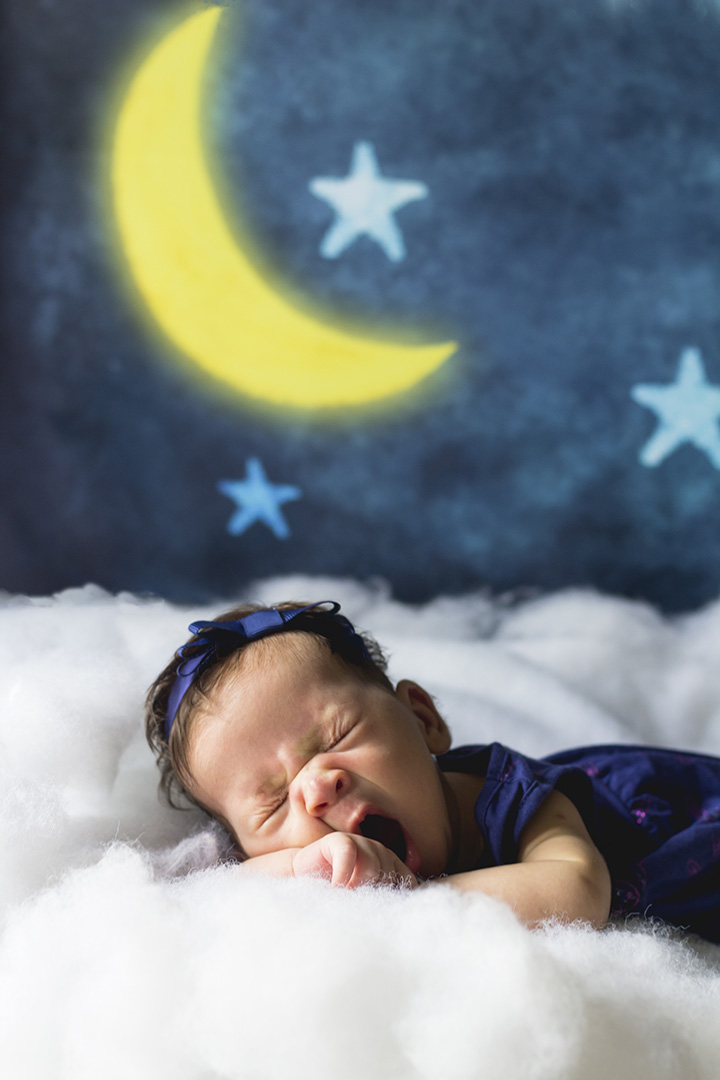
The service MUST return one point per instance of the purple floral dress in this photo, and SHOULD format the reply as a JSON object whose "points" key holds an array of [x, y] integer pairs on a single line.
{"points": [[654, 814]]}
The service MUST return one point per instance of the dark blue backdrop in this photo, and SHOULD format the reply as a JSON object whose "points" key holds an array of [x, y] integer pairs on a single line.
{"points": [[563, 227]]}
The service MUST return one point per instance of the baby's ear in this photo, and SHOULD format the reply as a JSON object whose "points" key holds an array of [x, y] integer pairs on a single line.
{"points": [[432, 725]]}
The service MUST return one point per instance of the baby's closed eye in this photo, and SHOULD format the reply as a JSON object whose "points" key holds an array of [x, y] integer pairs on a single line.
{"points": [[279, 802], [337, 738]]}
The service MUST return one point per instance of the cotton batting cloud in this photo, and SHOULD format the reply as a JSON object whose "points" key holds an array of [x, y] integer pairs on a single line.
{"points": [[128, 948]]}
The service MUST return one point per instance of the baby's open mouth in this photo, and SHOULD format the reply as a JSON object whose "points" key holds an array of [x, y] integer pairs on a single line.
{"points": [[387, 831]]}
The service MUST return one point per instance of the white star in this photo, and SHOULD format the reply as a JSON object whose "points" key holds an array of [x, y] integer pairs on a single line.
{"points": [[364, 202], [688, 411], [258, 500]]}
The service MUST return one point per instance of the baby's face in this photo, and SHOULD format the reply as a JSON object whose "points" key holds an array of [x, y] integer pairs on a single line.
{"points": [[296, 746]]}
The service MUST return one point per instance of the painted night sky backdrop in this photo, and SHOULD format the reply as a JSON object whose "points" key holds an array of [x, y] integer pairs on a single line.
{"points": [[536, 181]]}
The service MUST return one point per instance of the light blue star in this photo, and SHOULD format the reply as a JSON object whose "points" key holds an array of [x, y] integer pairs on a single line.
{"points": [[258, 500], [364, 203], [688, 411]]}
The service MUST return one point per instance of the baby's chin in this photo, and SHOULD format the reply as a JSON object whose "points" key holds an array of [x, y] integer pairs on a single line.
{"points": [[412, 858], [431, 863]]}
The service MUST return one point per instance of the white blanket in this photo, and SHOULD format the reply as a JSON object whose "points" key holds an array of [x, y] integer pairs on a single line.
{"points": [[127, 952]]}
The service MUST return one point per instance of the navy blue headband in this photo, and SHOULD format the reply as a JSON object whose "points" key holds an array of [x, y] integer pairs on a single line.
{"points": [[216, 640]]}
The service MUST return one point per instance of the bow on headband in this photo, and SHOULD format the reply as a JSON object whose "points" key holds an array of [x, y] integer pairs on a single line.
{"points": [[216, 640]]}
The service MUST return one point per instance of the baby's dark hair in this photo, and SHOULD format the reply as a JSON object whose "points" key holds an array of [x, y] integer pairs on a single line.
{"points": [[173, 753]]}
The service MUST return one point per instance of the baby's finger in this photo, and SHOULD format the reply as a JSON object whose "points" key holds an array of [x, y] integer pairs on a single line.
{"points": [[391, 870], [311, 860], [343, 855], [402, 876]]}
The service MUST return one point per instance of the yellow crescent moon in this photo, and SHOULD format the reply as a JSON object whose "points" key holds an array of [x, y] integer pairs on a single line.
{"points": [[200, 287]]}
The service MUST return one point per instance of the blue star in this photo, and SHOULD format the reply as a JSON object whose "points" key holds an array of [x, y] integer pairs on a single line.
{"points": [[688, 411], [364, 202], [258, 500]]}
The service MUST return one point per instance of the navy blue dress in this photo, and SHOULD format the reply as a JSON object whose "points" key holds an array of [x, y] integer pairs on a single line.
{"points": [[653, 814]]}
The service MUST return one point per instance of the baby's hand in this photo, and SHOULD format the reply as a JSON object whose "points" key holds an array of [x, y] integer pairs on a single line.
{"points": [[348, 860]]}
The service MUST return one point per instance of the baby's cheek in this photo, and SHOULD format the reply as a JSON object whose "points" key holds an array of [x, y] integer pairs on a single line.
{"points": [[253, 844]]}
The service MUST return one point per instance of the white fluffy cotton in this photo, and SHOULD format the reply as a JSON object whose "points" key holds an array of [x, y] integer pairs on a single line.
{"points": [[127, 950]]}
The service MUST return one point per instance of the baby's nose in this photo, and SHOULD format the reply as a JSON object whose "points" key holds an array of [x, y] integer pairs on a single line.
{"points": [[323, 787]]}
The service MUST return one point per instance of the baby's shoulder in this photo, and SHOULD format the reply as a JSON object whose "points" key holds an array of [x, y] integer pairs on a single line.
{"points": [[473, 759]]}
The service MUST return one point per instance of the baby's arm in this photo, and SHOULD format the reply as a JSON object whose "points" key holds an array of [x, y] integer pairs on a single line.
{"points": [[342, 858], [559, 871]]}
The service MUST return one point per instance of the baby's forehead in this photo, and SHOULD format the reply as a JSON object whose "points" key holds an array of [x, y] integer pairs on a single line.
{"points": [[291, 653], [295, 648], [302, 677]]}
